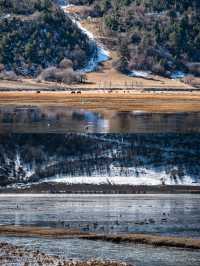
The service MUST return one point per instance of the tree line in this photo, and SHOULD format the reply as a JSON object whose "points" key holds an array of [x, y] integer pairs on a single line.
{"points": [[158, 35]]}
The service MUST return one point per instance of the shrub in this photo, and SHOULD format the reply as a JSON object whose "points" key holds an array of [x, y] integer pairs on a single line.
{"points": [[8, 75], [194, 68], [1, 67], [67, 76], [66, 63]]}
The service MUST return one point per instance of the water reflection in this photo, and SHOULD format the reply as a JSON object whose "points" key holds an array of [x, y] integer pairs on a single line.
{"points": [[135, 159], [61, 120]]}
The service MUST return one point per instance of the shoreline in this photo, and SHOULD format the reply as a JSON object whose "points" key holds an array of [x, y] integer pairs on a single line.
{"points": [[61, 188], [147, 239], [20, 255]]}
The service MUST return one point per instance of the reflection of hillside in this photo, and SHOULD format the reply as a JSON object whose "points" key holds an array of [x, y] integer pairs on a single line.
{"points": [[62, 120], [49, 119], [115, 158], [154, 122]]}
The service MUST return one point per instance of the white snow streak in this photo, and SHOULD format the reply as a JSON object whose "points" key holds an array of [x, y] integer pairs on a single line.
{"points": [[100, 55]]}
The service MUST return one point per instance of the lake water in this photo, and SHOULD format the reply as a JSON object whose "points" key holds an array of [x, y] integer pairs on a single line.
{"points": [[80, 146], [164, 214], [32, 119], [58, 145], [177, 215]]}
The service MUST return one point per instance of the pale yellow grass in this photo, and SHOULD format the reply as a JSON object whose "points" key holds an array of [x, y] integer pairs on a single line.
{"points": [[116, 101]]}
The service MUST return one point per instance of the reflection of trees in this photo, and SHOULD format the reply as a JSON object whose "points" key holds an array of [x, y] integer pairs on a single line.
{"points": [[123, 121], [37, 156]]}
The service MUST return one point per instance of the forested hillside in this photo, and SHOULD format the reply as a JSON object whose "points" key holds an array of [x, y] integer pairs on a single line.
{"points": [[36, 34], [158, 35]]}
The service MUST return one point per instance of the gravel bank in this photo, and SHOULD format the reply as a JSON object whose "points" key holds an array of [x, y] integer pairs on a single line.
{"points": [[20, 256]]}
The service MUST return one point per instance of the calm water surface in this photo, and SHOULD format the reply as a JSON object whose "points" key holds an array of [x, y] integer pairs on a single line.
{"points": [[163, 214], [31, 119]]}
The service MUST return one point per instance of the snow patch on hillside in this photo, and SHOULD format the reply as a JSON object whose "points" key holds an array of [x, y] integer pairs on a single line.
{"points": [[139, 176], [139, 74], [100, 55]]}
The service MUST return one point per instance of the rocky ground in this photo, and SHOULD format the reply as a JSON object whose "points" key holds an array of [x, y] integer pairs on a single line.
{"points": [[19, 256]]}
